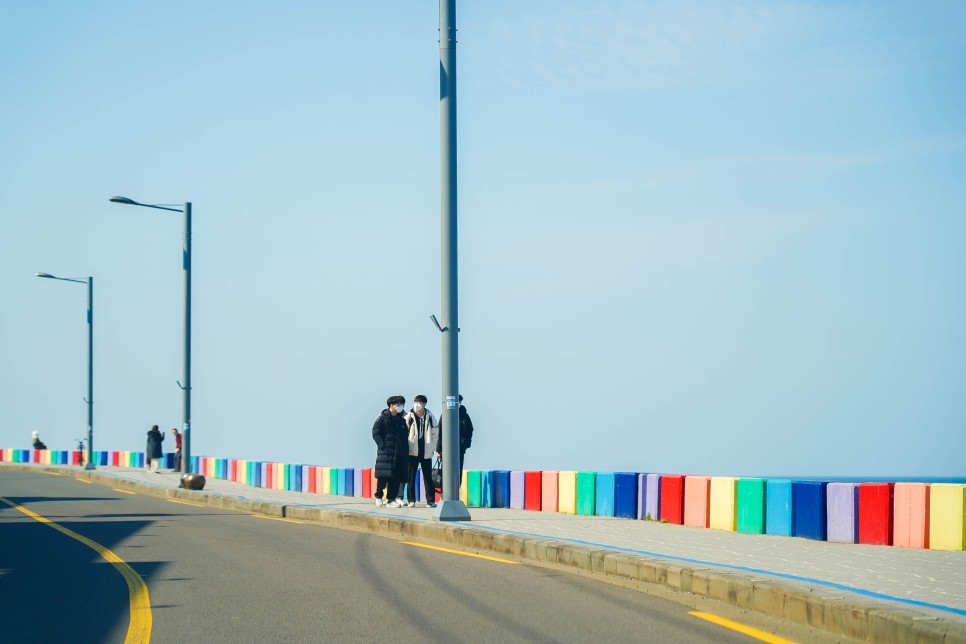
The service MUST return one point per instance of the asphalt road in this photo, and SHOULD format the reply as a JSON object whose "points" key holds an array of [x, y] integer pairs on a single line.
{"points": [[222, 576]]}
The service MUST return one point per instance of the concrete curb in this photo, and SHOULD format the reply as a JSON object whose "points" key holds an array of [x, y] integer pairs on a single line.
{"points": [[850, 617]]}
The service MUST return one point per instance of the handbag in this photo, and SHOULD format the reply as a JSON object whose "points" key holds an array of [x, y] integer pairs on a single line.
{"points": [[438, 474]]}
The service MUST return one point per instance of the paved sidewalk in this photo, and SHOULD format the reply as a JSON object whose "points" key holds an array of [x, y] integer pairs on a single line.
{"points": [[930, 584]]}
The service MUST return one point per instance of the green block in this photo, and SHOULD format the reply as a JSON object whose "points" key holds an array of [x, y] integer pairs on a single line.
{"points": [[586, 493], [751, 505], [334, 482], [474, 489]]}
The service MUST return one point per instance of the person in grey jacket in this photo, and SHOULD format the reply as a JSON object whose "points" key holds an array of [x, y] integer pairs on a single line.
{"points": [[153, 453]]}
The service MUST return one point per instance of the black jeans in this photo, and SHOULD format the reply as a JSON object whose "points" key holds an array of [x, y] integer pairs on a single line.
{"points": [[391, 486], [415, 463]]}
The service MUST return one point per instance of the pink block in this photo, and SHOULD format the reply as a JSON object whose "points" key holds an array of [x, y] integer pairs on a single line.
{"points": [[697, 492], [910, 514], [548, 492]]}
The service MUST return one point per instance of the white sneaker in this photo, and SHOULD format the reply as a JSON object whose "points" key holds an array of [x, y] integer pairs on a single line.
{"points": [[393, 504], [379, 503], [406, 504]]}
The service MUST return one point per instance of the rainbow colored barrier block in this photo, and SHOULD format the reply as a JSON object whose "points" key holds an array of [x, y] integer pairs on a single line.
{"points": [[722, 513], [947, 516], [652, 497], [501, 489], [326, 481], [750, 501], [486, 488], [586, 494], [549, 481], [875, 514], [567, 492], [842, 506], [910, 528], [604, 494], [533, 490], [357, 477], [517, 489], [464, 489], [474, 488], [367, 488], [697, 493], [626, 498], [348, 485], [672, 498], [336, 482], [778, 507], [808, 509]]}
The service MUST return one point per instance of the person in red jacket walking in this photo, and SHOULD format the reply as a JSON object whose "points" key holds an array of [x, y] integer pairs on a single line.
{"points": [[177, 449]]}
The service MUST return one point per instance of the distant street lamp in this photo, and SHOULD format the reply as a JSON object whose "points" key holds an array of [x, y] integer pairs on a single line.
{"points": [[90, 361], [186, 266]]}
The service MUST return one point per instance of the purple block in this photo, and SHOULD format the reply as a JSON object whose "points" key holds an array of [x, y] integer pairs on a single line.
{"points": [[641, 492], [357, 482], [264, 475], [652, 497], [516, 490], [843, 512]]}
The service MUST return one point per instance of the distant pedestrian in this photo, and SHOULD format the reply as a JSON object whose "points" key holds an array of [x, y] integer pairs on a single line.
{"points": [[466, 434], [423, 436], [153, 452], [177, 449], [37, 443], [389, 433]]}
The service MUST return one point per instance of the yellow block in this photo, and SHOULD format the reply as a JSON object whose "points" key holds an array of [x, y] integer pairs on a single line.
{"points": [[567, 492], [724, 511], [464, 495], [327, 482], [947, 516]]}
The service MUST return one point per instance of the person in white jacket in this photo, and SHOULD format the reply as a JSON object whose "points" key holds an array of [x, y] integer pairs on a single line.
{"points": [[423, 435]]}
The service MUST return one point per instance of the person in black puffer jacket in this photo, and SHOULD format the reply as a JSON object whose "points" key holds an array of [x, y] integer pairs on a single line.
{"points": [[392, 451]]}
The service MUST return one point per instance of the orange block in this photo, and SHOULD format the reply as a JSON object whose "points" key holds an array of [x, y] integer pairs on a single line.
{"points": [[910, 512], [697, 493]]}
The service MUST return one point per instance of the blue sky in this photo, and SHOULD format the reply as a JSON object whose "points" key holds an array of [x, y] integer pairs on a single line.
{"points": [[698, 237]]}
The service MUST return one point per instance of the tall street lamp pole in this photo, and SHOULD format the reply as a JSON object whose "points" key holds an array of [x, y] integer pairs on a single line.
{"points": [[450, 508], [90, 361], [186, 266]]}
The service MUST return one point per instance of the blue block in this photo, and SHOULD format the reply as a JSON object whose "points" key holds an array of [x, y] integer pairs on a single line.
{"points": [[808, 509], [487, 481], [340, 482], [604, 496], [102, 458], [778, 507], [501, 489], [140, 460], [626, 495], [222, 472], [295, 478], [350, 481]]}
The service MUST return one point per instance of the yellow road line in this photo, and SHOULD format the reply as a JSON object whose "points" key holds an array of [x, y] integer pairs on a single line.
{"points": [[262, 516], [459, 552], [741, 628], [49, 473], [123, 491], [139, 628], [197, 505], [83, 480]]}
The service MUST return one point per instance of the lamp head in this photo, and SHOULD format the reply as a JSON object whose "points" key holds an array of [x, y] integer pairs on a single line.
{"points": [[124, 200], [48, 275]]}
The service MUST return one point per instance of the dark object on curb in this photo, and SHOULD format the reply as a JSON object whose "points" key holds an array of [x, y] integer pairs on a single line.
{"points": [[192, 482]]}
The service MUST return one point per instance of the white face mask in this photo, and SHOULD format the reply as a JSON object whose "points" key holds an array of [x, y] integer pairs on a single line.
{"points": [[399, 409], [418, 406]]}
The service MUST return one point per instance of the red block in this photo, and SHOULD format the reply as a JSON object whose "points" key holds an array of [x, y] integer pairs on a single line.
{"points": [[270, 483], [672, 498], [116, 459], [36, 456], [532, 490], [77, 458], [875, 513], [313, 479]]}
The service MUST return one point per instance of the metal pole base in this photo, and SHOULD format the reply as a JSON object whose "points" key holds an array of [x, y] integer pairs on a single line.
{"points": [[90, 466], [451, 511]]}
